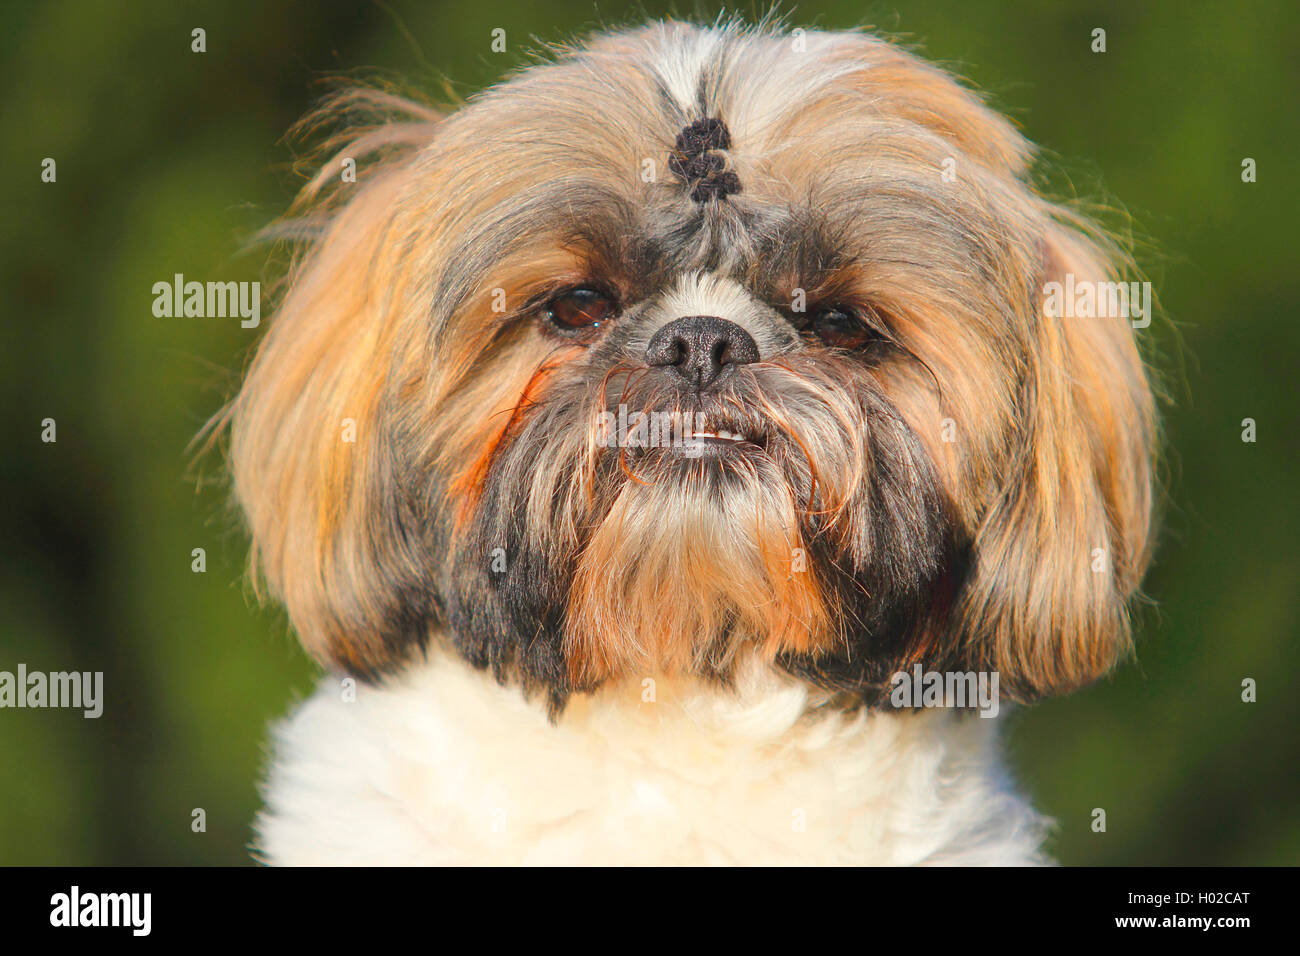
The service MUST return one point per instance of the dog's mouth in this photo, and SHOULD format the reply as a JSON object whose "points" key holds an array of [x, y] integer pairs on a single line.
{"points": [[721, 436], [667, 434], [719, 442], [710, 437]]}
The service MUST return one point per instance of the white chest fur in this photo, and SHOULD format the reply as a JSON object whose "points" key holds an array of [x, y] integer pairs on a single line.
{"points": [[443, 765]]}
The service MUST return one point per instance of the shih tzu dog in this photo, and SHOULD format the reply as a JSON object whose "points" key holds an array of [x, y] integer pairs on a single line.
{"points": [[627, 438]]}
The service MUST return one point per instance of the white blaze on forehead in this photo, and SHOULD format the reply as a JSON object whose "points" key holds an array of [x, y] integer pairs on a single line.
{"points": [[684, 55], [757, 79]]}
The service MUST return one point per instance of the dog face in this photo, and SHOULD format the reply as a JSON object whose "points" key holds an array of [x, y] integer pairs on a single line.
{"points": [[691, 345]]}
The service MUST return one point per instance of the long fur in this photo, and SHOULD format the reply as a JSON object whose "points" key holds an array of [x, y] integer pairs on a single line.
{"points": [[971, 490], [443, 766]]}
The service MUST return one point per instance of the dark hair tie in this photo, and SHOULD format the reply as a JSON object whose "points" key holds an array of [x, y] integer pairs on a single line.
{"points": [[698, 161]]}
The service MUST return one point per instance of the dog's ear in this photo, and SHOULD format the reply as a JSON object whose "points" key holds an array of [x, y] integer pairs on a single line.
{"points": [[1061, 550], [311, 471]]}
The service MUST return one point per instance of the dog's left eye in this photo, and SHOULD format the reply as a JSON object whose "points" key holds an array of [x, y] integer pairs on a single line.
{"points": [[580, 311], [841, 328]]}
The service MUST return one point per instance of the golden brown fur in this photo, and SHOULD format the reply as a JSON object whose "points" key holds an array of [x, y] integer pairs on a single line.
{"points": [[473, 426]]}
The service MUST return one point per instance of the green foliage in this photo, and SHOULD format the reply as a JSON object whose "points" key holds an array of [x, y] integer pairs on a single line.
{"points": [[168, 159]]}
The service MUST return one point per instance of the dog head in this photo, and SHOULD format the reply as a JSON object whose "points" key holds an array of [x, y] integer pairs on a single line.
{"points": [[696, 344]]}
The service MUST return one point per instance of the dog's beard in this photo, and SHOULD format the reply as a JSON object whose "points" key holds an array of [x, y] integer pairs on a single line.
{"points": [[815, 541]]}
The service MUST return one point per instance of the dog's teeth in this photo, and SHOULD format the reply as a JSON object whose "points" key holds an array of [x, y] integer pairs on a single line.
{"points": [[718, 436]]}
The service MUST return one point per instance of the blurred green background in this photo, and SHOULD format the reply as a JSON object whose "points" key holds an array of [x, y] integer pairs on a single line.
{"points": [[168, 160]]}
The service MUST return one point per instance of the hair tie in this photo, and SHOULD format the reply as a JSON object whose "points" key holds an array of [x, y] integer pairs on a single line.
{"points": [[698, 160]]}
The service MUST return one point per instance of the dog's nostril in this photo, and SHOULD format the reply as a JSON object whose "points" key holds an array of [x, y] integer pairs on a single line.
{"points": [[700, 348]]}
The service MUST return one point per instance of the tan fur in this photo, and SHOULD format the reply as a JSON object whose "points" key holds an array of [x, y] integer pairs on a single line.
{"points": [[1054, 416]]}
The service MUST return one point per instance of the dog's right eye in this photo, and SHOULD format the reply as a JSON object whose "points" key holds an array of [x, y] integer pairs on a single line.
{"points": [[580, 311]]}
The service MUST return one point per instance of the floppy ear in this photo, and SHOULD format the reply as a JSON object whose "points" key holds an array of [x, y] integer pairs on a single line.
{"points": [[1063, 548], [329, 524]]}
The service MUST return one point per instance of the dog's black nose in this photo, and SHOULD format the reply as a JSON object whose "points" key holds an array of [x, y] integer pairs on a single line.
{"points": [[699, 348]]}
